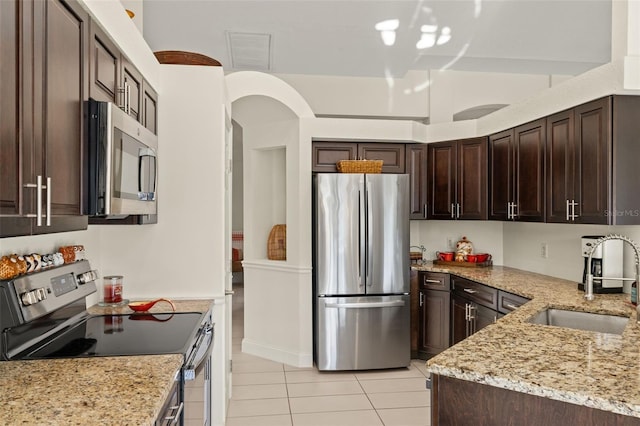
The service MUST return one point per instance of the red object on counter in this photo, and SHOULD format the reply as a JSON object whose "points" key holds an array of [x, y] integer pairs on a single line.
{"points": [[112, 289]]}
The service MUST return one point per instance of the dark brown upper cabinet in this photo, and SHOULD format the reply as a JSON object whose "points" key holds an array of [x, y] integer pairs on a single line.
{"points": [[416, 167], [104, 67], [115, 79], [516, 168], [457, 176], [592, 157], [326, 154], [42, 157]]}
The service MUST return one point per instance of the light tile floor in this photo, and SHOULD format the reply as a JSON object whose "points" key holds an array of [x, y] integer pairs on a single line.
{"points": [[267, 393]]}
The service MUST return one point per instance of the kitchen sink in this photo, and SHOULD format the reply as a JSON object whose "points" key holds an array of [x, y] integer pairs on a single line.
{"points": [[601, 323]]}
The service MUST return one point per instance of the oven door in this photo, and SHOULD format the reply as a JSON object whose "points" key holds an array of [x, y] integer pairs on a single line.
{"points": [[197, 380]]}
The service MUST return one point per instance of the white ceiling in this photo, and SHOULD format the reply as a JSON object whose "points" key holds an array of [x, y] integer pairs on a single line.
{"points": [[338, 37]]}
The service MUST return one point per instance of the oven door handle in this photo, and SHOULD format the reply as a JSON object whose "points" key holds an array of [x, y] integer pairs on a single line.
{"points": [[202, 349]]}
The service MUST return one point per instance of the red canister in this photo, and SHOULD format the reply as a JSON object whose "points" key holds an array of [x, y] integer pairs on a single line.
{"points": [[112, 289]]}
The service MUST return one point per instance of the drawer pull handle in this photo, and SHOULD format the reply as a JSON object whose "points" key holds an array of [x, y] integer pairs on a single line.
{"points": [[426, 280], [470, 290], [511, 306]]}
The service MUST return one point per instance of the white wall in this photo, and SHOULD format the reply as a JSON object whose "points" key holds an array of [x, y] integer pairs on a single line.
{"points": [[435, 235], [365, 96], [455, 91], [522, 247], [169, 259]]}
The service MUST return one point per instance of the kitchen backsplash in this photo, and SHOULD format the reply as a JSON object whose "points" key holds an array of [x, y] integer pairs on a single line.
{"points": [[442, 235], [520, 245]]}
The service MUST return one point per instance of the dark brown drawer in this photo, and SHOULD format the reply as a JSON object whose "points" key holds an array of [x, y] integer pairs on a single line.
{"points": [[435, 281], [508, 302], [479, 293]]}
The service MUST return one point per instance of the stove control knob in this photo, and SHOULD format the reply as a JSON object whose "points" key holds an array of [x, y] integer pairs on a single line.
{"points": [[87, 277], [33, 296]]}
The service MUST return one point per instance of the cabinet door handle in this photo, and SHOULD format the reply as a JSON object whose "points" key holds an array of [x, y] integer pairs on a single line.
{"points": [[427, 280], [568, 215], [453, 211], [48, 201], [424, 210], [514, 211], [175, 418], [466, 312], [128, 95], [509, 210], [573, 210], [39, 200], [421, 298], [457, 210], [471, 312], [470, 290]]}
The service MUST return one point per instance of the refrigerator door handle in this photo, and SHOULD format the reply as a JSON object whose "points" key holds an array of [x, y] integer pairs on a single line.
{"points": [[363, 305], [369, 242], [362, 232]]}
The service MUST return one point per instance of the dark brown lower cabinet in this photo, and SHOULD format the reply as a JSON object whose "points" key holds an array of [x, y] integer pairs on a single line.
{"points": [[459, 402], [433, 312], [434, 322], [468, 317]]}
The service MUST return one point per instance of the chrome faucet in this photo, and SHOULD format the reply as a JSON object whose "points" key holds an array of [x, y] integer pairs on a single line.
{"points": [[589, 284]]}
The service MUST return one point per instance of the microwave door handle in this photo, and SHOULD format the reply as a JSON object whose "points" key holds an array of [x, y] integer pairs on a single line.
{"points": [[109, 153], [147, 152]]}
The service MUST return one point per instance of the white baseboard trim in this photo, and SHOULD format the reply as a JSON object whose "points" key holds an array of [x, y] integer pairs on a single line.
{"points": [[300, 360]]}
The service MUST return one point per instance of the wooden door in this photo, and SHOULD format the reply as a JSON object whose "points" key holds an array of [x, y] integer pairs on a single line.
{"points": [[104, 67], [325, 155], [132, 81], [500, 174], [149, 108], [471, 181], [65, 89], [434, 322], [593, 161], [559, 166], [13, 200], [442, 180], [459, 323], [393, 155], [482, 317], [529, 140], [416, 167]]}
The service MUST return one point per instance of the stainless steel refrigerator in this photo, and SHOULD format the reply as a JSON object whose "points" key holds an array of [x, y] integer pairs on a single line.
{"points": [[361, 271]]}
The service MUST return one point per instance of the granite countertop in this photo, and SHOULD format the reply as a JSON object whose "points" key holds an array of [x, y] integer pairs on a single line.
{"points": [[128, 390], [123, 390], [587, 368], [182, 305]]}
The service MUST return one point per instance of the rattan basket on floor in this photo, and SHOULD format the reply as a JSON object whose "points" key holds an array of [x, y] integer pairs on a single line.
{"points": [[277, 243], [360, 166]]}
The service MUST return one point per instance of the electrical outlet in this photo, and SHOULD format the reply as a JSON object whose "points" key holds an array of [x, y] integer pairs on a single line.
{"points": [[544, 250], [450, 243]]}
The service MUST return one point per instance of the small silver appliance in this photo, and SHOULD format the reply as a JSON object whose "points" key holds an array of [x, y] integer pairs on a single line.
{"points": [[607, 261]]}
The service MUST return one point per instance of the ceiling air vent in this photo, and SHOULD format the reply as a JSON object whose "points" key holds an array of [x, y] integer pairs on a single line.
{"points": [[249, 51]]}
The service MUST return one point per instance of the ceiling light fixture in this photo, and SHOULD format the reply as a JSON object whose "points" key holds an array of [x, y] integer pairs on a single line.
{"points": [[426, 41], [387, 30], [445, 36]]}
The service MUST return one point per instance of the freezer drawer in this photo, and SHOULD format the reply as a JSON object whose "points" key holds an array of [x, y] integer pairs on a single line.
{"points": [[362, 333]]}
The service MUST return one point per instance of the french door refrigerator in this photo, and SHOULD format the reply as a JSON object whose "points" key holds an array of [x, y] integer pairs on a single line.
{"points": [[361, 271]]}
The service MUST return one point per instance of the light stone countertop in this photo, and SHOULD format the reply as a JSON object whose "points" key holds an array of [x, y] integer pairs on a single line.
{"points": [[123, 390], [587, 368], [127, 390]]}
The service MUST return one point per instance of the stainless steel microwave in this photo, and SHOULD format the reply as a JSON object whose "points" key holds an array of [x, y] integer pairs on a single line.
{"points": [[122, 163]]}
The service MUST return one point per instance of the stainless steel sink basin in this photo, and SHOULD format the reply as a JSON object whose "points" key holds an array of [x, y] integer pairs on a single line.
{"points": [[601, 323]]}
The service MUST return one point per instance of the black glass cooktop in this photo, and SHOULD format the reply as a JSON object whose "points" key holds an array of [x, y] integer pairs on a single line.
{"points": [[113, 335]]}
